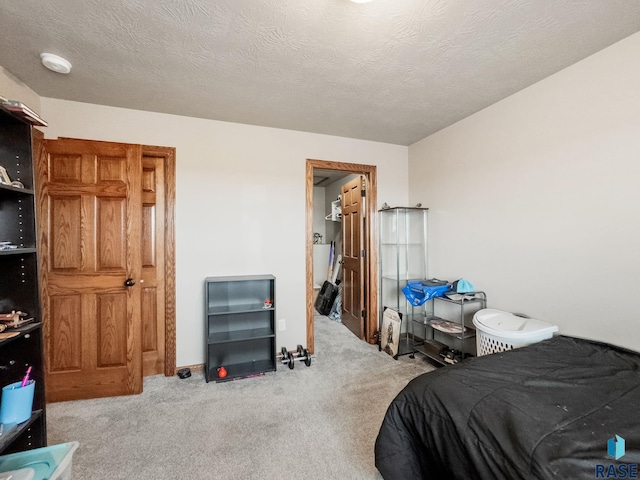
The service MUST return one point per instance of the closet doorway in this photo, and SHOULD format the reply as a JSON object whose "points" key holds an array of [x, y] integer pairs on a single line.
{"points": [[369, 272]]}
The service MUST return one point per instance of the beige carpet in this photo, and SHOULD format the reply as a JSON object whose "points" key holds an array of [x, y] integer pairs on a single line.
{"points": [[317, 422]]}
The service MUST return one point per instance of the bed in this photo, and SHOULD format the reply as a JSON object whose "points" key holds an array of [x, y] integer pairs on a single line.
{"points": [[546, 410]]}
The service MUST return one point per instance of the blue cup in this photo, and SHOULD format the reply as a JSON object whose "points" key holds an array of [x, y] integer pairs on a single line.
{"points": [[17, 402]]}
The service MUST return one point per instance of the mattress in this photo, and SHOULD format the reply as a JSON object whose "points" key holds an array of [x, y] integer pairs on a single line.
{"points": [[555, 409]]}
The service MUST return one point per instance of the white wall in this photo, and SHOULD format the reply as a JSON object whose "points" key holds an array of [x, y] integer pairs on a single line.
{"points": [[13, 89], [240, 200], [536, 199], [319, 213]]}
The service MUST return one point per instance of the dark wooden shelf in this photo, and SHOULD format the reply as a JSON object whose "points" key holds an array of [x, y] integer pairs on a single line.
{"points": [[28, 328], [241, 334], [19, 288], [10, 190], [243, 308], [9, 436], [242, 370], [18, 251]]}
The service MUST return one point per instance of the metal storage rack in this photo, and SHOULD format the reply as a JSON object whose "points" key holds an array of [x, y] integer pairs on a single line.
{"points": [[403, 257], [460, 312], [240, 322]]}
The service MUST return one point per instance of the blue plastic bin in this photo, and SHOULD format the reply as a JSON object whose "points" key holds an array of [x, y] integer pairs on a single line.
{"points": [[49, 463]]}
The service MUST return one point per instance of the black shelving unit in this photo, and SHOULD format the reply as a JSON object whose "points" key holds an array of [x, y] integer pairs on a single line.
{"points": [[16, 355], [240, 326], [19, 289]]}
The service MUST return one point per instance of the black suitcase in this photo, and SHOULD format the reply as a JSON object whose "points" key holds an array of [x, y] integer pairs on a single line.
{"points": [[326, 297]]}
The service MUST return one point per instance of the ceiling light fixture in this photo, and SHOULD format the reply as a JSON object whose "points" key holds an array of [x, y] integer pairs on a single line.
{"points": [[55, 63]]}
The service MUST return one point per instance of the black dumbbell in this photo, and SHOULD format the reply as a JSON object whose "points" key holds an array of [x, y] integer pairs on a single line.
{"points": [[286, 358], [304, 355], [289, 358]]}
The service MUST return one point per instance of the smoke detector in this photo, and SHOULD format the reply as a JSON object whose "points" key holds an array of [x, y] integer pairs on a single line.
{"points": [[55, 63]]}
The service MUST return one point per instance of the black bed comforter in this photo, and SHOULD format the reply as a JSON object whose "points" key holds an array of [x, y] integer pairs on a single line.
{"points": [[543, 411]]}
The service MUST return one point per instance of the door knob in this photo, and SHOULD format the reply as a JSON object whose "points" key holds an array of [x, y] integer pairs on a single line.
{"points": [[129, 282]]}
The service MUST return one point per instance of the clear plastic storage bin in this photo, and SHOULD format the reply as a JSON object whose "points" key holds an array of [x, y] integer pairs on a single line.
{"points": [[498, 331], [22, 474], [48, 463]]}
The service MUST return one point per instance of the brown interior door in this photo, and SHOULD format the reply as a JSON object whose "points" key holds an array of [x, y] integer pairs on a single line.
{"points": [[152, 281], [90, 205], [353, 265]]}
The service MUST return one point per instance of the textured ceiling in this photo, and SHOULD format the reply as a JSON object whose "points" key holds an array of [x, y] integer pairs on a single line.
{"points": [[390, 70]]}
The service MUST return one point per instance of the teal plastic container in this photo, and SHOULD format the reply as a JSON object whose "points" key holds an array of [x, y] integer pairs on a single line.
{"points": [[48, 463], [17, 402]]}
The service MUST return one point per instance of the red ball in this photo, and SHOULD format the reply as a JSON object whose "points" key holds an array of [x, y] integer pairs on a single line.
{"points": [[222, 372]]}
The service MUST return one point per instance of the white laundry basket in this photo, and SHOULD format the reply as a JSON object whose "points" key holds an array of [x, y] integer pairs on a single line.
{"points": [[498, 331]]}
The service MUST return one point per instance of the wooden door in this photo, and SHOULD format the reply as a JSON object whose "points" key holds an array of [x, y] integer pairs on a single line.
{"points": [[153, 265], [90, 203], [353, 265]]}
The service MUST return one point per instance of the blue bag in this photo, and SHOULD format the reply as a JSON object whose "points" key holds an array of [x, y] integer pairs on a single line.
{"points": [[417, 292]]}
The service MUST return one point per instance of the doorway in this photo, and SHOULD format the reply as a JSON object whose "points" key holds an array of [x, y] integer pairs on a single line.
{"points": [[370, 305]]}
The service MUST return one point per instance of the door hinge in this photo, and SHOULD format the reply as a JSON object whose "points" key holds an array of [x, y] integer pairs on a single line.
{"points": [[363, 253], [363, 192], [364, 314]]}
